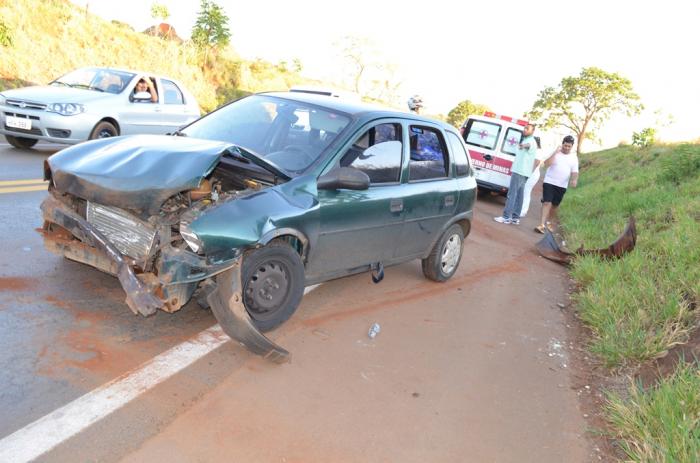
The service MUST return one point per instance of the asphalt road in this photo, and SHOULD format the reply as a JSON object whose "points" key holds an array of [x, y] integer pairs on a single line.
{"points": [[471, 370]]}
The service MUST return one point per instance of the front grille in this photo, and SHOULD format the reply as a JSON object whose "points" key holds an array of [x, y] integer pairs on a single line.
{"points": [[131, 236], [25, 104]]}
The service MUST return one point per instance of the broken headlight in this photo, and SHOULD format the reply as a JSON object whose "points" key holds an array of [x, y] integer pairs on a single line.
{"points": [[190, 237]]}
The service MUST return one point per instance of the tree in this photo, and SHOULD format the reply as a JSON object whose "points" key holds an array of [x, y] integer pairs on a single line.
{"points": [[582, 103], [5, 35], [161, 12], [466, 108], [211, 29]]}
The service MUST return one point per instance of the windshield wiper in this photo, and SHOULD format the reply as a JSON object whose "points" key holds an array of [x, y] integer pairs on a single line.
{"points": [[178, 133], [85, 86]]}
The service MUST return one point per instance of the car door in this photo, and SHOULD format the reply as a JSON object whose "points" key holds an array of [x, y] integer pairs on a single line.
{"points": [[174, 112], [143, 117], [359, 228], [431, 192]]}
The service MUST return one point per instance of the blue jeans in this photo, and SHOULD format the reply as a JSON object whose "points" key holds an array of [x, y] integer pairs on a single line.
{"points": [[514, 200]]}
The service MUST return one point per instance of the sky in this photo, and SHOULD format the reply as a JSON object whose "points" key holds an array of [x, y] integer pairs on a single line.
{"points": [[498, 53]]}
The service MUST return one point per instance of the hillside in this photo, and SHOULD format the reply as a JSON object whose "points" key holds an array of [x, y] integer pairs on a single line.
{"points": [[52, 37]]}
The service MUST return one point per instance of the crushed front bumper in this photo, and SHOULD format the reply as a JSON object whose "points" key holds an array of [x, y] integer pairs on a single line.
{"points": [[144, 292]]}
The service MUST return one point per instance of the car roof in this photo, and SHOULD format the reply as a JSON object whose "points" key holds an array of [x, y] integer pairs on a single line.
{"points": [[358, 109], [131, 71]]}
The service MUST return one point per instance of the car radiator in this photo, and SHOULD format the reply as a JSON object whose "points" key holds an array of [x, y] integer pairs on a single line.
{"points": [[133, 237]]}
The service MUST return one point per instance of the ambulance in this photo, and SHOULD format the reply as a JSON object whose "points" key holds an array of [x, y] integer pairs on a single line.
{"points": [[492, 141]]}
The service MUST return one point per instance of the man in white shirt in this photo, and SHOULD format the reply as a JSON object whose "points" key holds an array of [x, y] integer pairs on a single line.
{"points": [[562, 171]]}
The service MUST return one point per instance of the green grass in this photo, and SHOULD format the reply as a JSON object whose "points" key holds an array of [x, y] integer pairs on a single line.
{"points": [[661, 424], [640, 306]]}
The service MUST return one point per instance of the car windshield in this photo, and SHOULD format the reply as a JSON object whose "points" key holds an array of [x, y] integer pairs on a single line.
{"points": [[99, 80], [289, 134]]}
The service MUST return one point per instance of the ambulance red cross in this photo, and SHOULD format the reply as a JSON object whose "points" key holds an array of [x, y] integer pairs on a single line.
{"points": [[492, 141]]}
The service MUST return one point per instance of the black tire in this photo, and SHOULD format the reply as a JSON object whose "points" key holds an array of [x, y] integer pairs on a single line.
{"points": [[273, 284], [21, 142], [104, 129], [442, 262]]}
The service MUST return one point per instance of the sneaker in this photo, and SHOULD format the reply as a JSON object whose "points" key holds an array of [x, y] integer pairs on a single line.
{"points": [[515, 221], [502, 220], [540, 229]]}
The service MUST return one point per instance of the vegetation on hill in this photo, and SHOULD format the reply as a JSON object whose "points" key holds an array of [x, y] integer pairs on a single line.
{"points": [[58, 37]]}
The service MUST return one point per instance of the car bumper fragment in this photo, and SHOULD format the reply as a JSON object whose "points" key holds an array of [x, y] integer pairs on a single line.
{"points": [[226, 301], [138, 295], [551, 248]]}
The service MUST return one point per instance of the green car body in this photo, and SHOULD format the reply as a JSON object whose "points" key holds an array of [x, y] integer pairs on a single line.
{"points": [[246, 214]]}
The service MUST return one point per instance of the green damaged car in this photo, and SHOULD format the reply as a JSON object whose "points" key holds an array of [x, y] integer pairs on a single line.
{"points": [[245, 207]]}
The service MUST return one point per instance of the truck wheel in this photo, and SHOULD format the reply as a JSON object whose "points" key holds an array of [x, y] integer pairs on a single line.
{"points": [[443, 260], [273, 284], [103, 129], [21, 142]]}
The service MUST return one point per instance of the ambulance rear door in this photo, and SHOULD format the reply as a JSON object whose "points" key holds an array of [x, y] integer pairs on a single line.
{"points": [[483, 137]]}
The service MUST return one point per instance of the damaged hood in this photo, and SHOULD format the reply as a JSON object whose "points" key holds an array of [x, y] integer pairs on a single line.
{"points": [[135, 172]]}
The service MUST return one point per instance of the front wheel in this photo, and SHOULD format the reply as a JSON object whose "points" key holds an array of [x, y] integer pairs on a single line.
{"points": [[103, 129], [273, 284], [443, 260], [20, 142]]}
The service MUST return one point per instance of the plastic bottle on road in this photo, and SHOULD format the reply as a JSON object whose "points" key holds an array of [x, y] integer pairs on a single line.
{"points": [[374, 329]]}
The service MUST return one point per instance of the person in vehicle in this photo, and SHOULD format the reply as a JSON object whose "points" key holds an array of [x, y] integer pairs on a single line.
{"points": [[146, 85]]}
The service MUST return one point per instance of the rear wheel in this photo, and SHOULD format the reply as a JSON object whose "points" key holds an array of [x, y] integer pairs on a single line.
{"points": [[104, 129], [20, 142], [273, 284], [444, 258]]}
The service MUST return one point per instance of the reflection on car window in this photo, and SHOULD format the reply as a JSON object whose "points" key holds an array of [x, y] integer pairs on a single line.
{"points": [[377, 152], [482, 134], [510, 143], [290, 134], [173, 95], [459, 154], [428, 154], [97, 79]]}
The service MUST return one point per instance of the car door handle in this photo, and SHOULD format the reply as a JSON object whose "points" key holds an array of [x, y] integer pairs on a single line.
{"points": [[449, 200], [396, 205], [488, 157]]}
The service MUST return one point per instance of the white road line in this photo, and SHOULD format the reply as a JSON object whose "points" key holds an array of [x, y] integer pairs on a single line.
{"points": [[60, 425], [46, 433]]}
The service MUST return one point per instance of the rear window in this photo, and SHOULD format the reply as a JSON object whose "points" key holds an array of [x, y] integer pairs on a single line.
{"points": [[459, 155], [428, 154], [482, 134]]}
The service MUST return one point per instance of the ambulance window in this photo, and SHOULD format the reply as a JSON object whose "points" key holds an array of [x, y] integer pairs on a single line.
{"points": [[510, 143], [459, 154], [429, 157], [482, 134]]}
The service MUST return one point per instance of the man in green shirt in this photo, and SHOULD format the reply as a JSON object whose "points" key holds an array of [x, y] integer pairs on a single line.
{"points": [[523, 167]]}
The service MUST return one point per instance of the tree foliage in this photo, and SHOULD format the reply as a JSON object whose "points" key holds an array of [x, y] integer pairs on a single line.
{"points": [[211, 29], [582, 103], [466, 108], [159, 11], [5, 35]]}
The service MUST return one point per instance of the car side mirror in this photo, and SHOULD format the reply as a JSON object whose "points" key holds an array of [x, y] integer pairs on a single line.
{"points": [[343, 178], [141, 96]]}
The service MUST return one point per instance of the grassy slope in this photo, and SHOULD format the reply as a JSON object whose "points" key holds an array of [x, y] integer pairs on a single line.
{"points": [[640, 306], [53, 37]]}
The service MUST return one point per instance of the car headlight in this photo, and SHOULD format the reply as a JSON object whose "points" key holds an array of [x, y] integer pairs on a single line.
{"points": [[66, 109], [190, 237]]}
